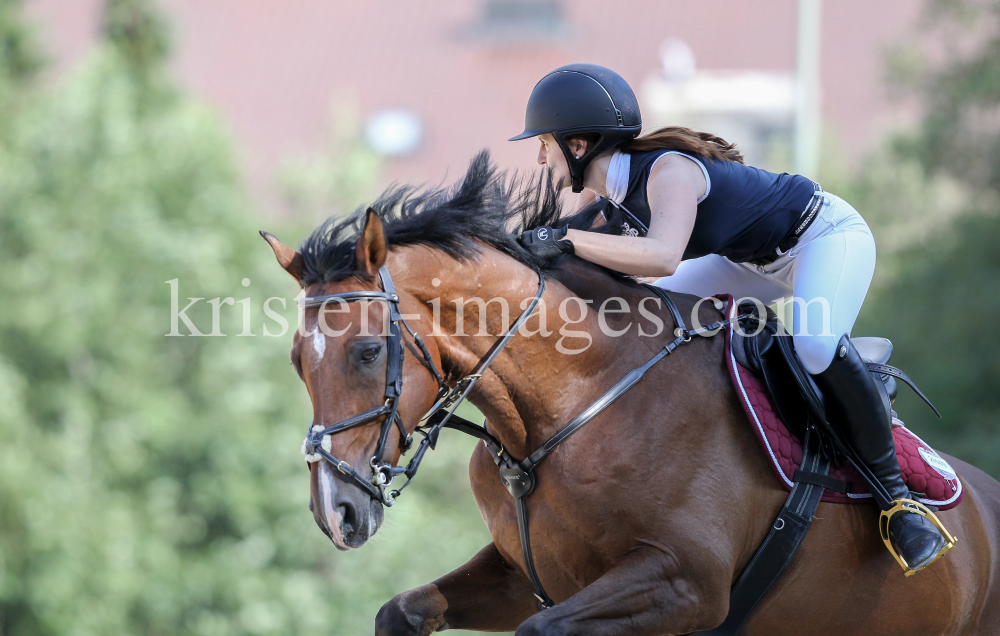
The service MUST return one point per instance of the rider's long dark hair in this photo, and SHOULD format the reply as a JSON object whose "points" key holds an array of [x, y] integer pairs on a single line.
{"points": [[685, 140], [677, 138]]}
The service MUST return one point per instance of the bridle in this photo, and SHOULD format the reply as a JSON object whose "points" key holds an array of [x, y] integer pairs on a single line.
{"points": [[318, 442], [518, 477]]}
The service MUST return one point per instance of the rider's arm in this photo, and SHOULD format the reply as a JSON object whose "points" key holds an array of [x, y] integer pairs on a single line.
{"points": [[674, 187]]}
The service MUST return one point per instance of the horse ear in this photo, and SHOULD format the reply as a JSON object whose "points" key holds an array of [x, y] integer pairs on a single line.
{"points": [[288, 258], [371, 249]]}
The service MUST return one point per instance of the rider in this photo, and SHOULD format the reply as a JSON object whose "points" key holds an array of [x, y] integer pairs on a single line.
{"points": [[682, 205]]}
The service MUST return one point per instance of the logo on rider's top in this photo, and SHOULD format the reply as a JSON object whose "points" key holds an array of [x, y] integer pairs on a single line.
{"points": [[936, 462], [628, 230], [543, 233]]}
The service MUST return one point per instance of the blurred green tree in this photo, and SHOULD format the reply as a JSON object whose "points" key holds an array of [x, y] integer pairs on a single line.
{"points": [[19, 62], [933, 199], [152, 484]]}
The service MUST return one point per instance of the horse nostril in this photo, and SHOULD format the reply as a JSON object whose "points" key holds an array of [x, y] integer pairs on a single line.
{"points": [[350, 517]]}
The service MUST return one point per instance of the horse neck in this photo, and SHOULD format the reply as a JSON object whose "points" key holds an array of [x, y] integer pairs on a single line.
{"points": [[523, 393]]}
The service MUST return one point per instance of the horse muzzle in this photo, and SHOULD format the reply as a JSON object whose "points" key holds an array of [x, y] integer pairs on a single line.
{"points": [[345, 513]]}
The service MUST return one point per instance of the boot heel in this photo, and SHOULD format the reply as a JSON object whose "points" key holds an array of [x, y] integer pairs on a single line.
{"points": [[909, 506]]}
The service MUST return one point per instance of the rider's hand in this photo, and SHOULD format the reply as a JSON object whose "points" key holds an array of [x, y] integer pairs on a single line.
{"points": [[546, 242]]}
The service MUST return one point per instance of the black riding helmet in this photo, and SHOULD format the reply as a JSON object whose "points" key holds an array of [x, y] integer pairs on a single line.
{"points": [[578, 99]]}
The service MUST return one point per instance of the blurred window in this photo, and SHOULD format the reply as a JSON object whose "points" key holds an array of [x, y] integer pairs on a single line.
{"points": [[520, 21], [394, 132]]}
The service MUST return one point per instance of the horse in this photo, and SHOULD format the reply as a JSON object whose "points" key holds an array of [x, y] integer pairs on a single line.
{"points": [[642, 521]]}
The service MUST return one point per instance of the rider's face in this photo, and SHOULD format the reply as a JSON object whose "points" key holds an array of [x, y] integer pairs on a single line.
{"points": [[551, 156]]}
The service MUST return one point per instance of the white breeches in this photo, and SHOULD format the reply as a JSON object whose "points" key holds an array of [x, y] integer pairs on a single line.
{"points": [[827, 274]]}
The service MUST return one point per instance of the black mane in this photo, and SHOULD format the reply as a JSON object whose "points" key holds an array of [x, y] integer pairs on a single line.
{"points": [[486, 206]]}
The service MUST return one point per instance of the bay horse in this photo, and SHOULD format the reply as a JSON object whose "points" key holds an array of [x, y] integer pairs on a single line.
{"points": [[642, 521]]}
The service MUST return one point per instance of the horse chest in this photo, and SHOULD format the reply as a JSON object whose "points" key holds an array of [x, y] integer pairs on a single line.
{"points": [[573, 540]]}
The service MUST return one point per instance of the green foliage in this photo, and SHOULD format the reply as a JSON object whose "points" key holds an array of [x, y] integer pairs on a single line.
{"points": [[18, 58], [960, 134], [932, 198], [19, 62], [138, 31], [152, 484], [939, 315]]}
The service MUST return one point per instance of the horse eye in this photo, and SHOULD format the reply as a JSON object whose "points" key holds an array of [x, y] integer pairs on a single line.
{"points": [[370, 354]]}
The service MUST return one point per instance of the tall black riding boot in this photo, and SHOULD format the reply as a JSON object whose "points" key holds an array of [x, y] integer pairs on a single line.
{"points": [[861, 412]]}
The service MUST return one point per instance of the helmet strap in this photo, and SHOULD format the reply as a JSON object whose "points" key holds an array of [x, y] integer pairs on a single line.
{"points": [[578, 165]]}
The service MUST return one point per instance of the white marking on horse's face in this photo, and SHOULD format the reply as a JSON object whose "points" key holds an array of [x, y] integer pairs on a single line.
{"points": [[319, 346], [332, 517]]}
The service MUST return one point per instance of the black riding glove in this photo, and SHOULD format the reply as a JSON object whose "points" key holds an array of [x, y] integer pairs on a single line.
{"points": [[547, 242]]}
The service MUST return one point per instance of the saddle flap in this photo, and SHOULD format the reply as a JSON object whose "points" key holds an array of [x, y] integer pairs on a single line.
{"points": [[808, 392], [764, 352]]}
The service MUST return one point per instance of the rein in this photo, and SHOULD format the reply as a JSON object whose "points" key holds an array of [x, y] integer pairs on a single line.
{"points": [[518, 477]]}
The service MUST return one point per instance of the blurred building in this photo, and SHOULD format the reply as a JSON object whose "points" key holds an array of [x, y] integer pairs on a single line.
{"points": [[433, 82]]}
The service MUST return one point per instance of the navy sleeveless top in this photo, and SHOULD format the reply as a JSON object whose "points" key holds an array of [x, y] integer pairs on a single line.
{"points": [[745, 214]]}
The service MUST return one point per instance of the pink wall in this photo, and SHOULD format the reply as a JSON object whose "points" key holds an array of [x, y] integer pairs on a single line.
{"points": [[272, 68]]}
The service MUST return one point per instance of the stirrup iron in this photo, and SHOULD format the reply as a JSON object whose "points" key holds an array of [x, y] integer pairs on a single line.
{"points": [[910, 506]]}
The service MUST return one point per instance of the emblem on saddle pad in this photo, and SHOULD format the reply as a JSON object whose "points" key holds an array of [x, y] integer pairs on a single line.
{"points": [[936, 462]]}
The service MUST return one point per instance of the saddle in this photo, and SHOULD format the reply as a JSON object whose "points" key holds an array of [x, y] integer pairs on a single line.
{"points": [[809, 456], [786, 402], [767, 351]]}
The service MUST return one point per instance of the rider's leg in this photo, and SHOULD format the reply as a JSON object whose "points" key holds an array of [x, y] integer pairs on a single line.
{"points": [[831, 275], [716, 274]]}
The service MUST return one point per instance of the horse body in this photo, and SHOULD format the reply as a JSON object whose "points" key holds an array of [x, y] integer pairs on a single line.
{"points": [[642, 521], [683, 499], [841, 582]]}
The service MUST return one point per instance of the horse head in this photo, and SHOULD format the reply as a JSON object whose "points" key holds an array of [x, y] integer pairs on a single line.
{"points": [[347, 351], [363, 335]]}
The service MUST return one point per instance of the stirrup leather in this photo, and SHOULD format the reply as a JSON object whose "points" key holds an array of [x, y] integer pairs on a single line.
{"points": [[908, 505]]}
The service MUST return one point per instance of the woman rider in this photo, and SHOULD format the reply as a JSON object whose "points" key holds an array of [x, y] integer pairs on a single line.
{"points": [[682, 206]]}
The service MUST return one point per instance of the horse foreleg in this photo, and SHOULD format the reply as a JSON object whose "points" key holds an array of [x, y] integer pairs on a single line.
{"points": [[643, 594], [485, 594]]}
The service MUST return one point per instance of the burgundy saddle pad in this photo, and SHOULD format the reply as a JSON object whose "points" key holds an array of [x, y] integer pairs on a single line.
{"points": [[932, 480]]}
